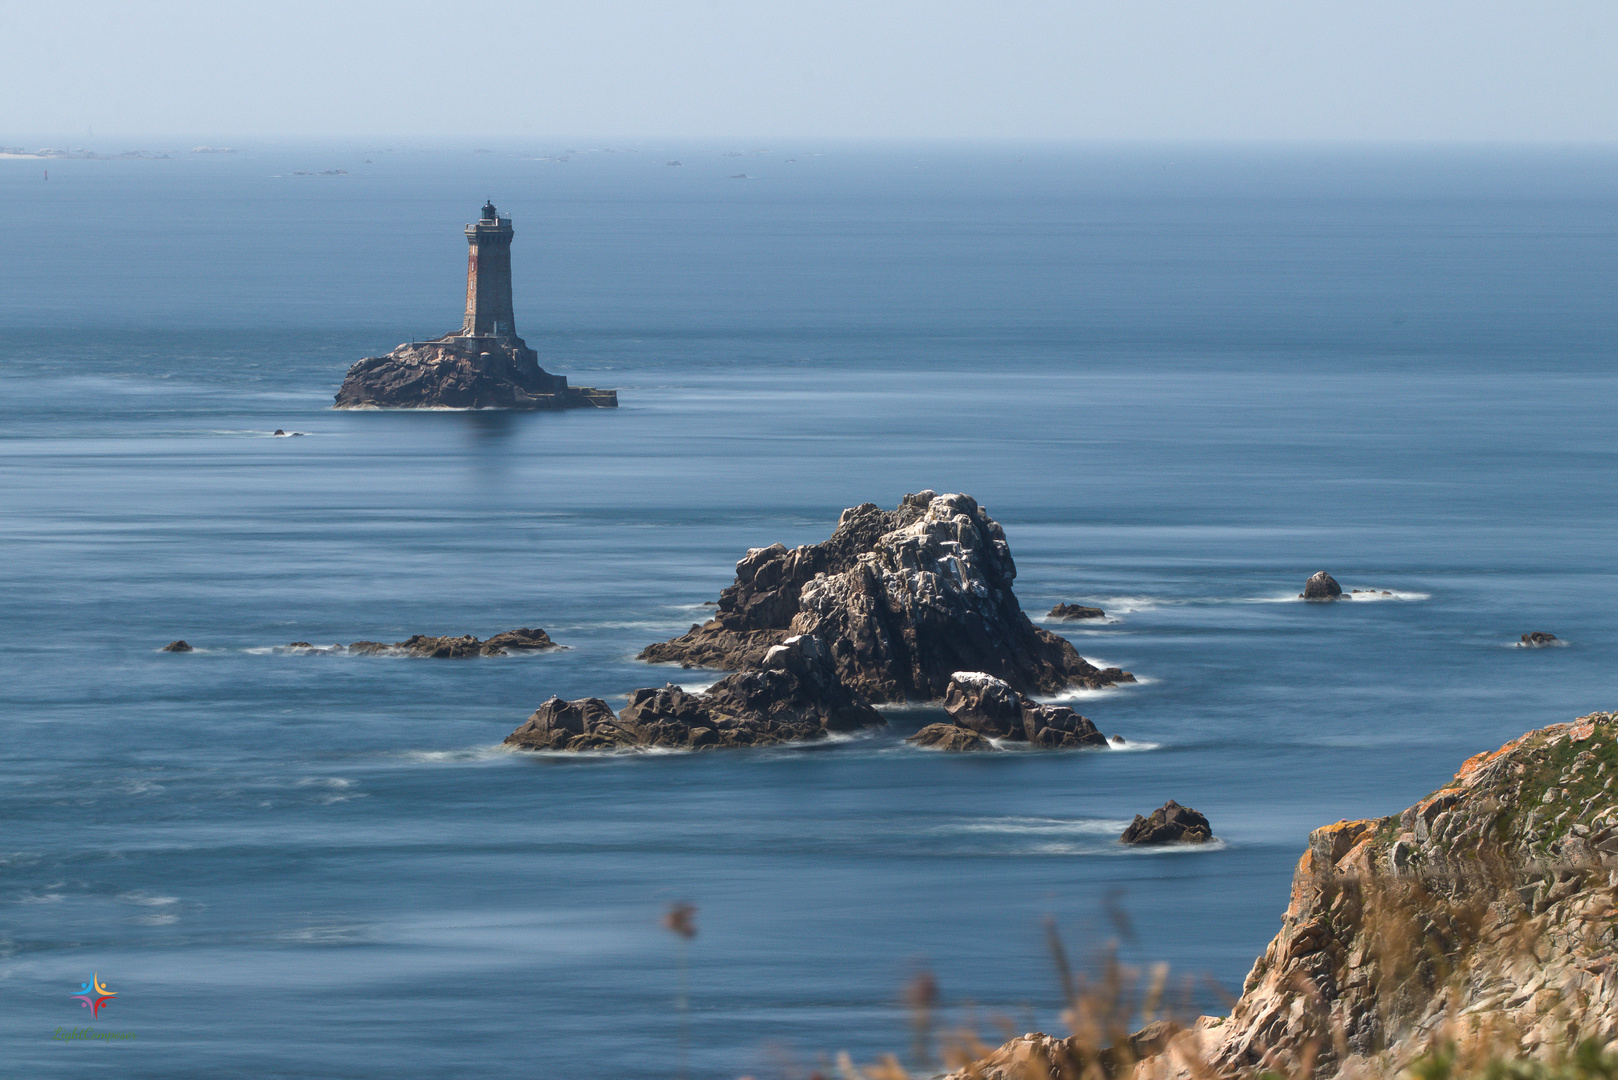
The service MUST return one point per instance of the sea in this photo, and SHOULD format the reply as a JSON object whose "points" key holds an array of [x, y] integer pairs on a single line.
{"points": [[1183, 378]]}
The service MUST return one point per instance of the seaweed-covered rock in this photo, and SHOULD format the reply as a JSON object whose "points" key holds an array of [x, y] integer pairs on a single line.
{"points": [[524, 640], [902, 598], [1170, 823], [454, 648], [1071, 612], [951, 737], [1321, 586]]}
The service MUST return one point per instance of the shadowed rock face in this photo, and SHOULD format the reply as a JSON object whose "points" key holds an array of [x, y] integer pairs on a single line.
{"points": [[463, 373], [1321, 586], [903, 599], [1170, 823]]}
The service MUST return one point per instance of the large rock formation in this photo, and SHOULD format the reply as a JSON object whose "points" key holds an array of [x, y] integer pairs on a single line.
{"points": [[460, 372], [794, 696], [903, 599], [1485, 915]]}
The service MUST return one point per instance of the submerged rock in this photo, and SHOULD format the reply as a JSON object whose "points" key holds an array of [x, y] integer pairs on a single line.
{"points": [[1538, 640], [1170, 823], [178, 646], [1068, 612], [1321, 586], [902, 598]]}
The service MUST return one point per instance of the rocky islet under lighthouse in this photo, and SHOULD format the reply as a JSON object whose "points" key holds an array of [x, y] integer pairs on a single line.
{"points": [[484, 364]]}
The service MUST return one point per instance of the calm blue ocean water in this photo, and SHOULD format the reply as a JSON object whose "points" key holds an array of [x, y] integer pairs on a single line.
{"points": [[1183, 379]]}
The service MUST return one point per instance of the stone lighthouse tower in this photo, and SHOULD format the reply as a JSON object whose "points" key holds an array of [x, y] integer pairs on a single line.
{"points": [[488, 277]]}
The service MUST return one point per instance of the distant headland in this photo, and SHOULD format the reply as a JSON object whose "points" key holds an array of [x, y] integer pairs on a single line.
{"points": [[484, 364]]}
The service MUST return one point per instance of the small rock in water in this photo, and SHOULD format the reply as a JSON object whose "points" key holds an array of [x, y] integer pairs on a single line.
{"points": [[278, 431], [1321, 586], [178, 646], [1536, 640], [950, 737], [1076, 611], [1171, 823]]}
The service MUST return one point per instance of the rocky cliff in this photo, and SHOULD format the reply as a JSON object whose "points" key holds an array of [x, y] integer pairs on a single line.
{"points": [[1484, 915], [458, 372], [902, 598]]}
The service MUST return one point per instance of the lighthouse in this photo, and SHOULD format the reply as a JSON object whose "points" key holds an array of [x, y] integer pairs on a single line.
{"points": [[488, 277], [484, 364]]}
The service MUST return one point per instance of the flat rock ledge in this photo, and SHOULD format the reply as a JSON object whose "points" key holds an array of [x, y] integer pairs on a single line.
{"points": [[983, 708], [458, 372], [1484, 915], [1170, 823], [424, 645]]}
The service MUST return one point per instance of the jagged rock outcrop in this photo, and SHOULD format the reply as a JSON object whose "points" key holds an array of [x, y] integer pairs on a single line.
{"points": [[456, 648], [1484, 915], [794, 696], [1070, 612], [460, 372], [1321, 586], [1538, 639], [903, 599], [1488, 904], [989, 706], [1170, 823]]}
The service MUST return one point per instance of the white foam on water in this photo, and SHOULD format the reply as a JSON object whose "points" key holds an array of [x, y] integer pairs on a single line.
{"points": [[1520, 644], [1037, 826], [1077, 693], [147, 899], [325, 781], [1383, 594], [470, 753], [1133, 745]]}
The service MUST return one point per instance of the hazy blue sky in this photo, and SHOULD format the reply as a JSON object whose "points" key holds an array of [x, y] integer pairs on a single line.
{"points": [[1155, 69]]}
